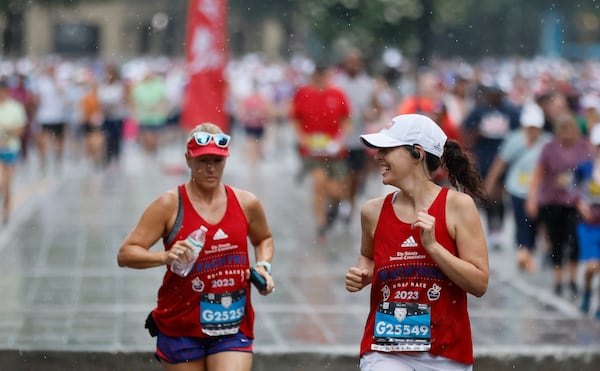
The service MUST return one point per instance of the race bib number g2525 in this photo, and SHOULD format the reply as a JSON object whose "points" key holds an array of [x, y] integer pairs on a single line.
{"points": [[222, 313]]}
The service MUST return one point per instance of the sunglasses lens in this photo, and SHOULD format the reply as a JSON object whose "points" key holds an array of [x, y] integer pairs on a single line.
{"points": [[202, 138], [221, 140]]}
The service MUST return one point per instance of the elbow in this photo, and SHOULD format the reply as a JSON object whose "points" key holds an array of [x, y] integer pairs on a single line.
{"points": [[480, 290], [121, 260]]}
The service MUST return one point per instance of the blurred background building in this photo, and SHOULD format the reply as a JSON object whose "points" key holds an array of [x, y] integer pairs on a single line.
{"points": [[106, 29], [113, 29]]}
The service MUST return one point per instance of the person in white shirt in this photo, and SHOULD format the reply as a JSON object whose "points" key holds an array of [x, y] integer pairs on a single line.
{"points": [[51, 114], [113, 97], [360, 89]]}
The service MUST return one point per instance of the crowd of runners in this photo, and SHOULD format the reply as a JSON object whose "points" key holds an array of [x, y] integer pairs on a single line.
{"points": [[529, 124]]}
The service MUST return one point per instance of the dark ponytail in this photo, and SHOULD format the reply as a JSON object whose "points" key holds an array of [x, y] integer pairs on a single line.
{"points": [[461, 171]]}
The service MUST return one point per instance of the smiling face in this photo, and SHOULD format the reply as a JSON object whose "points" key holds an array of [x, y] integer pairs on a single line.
{"points": [[395, 163]]}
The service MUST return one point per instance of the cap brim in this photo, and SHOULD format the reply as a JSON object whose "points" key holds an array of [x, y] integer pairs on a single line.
{"points": [[208, 150], [536, 125], [380, 140]]}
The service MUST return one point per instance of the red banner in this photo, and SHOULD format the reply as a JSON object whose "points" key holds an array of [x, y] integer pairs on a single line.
{"points": [[206, 57]]}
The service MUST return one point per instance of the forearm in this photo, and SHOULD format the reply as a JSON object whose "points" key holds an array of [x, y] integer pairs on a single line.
{"points": [[137, 257], [464, 274], [265, 250]]}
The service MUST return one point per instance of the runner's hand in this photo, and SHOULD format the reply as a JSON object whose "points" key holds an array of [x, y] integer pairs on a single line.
{"points": [[356, 279]]}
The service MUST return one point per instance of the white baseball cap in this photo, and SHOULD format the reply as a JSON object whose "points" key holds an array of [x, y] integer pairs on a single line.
{"points": [[409, 130], [595, 134], [532, 116]]}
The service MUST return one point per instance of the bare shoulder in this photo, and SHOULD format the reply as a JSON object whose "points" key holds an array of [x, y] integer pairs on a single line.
{"points": [[247, 199], [168, 198], [244, 196], [460, 205], [166, 203], [161, 212], [371, 208]]}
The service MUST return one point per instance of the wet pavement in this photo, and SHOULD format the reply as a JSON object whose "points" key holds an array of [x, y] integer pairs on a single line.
{"points": [[67, 305]]}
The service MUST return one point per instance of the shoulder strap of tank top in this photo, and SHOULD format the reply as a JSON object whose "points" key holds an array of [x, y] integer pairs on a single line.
{"points": [[232, 199], [179, 218], [388, 202], [438, 207], [440, 199]]}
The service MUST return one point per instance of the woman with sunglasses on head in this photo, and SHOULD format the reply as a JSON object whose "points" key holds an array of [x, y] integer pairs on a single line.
{"points": [[423, 249], [204, 321]]}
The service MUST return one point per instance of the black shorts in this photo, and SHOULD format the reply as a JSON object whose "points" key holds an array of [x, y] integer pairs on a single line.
{"points": [[56, 129], [254, 131], [357, 159], [88, 129]]}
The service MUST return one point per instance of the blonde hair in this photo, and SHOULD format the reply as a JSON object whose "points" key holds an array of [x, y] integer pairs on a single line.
{"points": [[206, 127]]}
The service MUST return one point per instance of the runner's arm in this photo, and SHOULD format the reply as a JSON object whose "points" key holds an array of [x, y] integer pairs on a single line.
{"points": [[152, 226], [470, 268]]}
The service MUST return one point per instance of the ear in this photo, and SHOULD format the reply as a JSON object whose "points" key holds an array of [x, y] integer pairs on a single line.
{"points": [[187, 160]]}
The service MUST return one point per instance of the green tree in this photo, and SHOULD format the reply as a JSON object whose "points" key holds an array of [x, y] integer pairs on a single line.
{"points": [[422, 28], [377, 24]]}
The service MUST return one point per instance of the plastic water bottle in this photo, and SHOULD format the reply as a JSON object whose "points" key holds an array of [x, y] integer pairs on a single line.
{"points": [[196, 239]]}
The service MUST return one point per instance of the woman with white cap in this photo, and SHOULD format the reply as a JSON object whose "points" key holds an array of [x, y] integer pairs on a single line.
{"points": [[423, 249], [518, 156]]}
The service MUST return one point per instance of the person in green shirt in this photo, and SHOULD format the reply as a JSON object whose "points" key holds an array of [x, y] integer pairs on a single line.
{"points": [[150, 109]]}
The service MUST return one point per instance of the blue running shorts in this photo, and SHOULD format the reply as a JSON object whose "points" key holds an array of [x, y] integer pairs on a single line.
{"points": [[9, 157], [177, 349], [589, 242]]}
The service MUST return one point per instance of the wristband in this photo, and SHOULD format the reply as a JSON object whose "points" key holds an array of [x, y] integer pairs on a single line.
{"points": [[265, 264]]}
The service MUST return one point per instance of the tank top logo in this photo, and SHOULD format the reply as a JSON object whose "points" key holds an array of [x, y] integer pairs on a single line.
{"points": [[220, 235], [409, 242]]}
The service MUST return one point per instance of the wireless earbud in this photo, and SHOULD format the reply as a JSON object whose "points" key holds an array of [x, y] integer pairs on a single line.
{"points": [[414, 153]]}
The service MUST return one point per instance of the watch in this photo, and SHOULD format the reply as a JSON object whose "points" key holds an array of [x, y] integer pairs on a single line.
{"points": [[265, 264]]}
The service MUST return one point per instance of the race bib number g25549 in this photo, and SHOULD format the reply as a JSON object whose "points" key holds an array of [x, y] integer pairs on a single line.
{"points": [[402, 327]]}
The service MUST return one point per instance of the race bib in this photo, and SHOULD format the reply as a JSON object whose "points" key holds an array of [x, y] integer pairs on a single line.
{"points": [[524, 179], [594, 189], [222, 313], [320, 144], [402, 327], [564, 180]]}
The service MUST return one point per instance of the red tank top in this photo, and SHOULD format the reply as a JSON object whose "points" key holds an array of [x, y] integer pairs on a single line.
{"points": [[214, 299], [414, 306]]}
